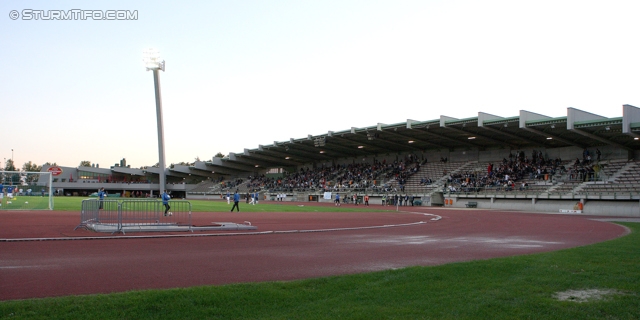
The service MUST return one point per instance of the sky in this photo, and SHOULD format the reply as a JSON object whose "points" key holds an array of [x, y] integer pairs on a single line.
{"points": [[240, 74]]}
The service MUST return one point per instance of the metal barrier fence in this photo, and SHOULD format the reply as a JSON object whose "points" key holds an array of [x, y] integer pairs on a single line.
{"points": [[134, 215]]}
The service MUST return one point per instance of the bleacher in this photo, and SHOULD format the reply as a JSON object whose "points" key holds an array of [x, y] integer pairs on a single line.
{"points": [[624, 181], [203, 187], [612, 167], [564, 188], [384, 178], [207, 187], [613, 179], [437, 172]]}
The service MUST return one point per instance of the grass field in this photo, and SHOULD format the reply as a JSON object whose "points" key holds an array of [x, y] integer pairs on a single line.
{"points": [[521, 287], [74, 204], [22, 202]]}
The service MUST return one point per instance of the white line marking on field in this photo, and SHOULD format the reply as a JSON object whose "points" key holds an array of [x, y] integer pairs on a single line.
{"points": [[19, 267]]}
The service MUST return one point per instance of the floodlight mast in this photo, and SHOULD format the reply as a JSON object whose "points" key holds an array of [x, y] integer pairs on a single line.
{"points": [[151, 58]]}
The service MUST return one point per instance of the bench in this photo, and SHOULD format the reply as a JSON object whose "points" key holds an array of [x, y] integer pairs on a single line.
{"points": [[472, 204]]}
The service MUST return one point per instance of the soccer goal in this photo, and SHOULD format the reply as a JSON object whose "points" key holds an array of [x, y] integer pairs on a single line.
{"points": [[26, 190]]}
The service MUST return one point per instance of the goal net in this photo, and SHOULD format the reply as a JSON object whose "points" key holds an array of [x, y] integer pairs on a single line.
{"points": [[26, 190]]}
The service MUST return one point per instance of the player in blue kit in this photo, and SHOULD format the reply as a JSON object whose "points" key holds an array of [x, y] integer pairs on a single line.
{"points": [[165, 202], [10, 193]]}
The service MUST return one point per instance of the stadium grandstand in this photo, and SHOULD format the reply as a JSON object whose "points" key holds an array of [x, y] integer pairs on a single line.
{"points": [[580, 163]]}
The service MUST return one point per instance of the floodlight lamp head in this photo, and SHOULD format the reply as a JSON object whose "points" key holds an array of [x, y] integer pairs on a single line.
{"points": [[151, 59]]}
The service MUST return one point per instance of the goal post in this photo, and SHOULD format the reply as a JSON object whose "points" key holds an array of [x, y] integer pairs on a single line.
{"points": [[26, 190]]}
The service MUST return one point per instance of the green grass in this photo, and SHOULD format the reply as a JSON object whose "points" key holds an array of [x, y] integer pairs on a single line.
{"points": [[25, 203], [520, 287], [74, 204]]}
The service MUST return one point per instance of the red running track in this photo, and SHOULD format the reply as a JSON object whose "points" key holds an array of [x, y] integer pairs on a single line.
{"points": [[35, 269]]}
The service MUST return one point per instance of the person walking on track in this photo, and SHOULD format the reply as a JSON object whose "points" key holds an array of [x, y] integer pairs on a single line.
{"points": [[236, 200]]}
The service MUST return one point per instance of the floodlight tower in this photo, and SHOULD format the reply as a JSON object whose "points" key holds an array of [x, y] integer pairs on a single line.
{"points": [[152, 61]]}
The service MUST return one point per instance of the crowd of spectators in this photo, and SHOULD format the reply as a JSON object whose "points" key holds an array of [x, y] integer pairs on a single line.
{"points": [[586, 169], [514, 172], [340, 178], [337, 177], [510, 174], [403, 170], [230, 184]]}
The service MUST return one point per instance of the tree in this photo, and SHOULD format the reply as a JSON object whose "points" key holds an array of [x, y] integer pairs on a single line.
{"points": [[85, 163], [31, 167], [50, 164], [11, 178], [219, 155], [9, 166]]}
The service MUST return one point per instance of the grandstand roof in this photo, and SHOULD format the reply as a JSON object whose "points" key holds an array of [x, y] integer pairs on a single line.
{"points": [[527, 130]]}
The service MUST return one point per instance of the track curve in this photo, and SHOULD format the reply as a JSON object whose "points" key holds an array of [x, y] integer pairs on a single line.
{"points": [[288, 246]]}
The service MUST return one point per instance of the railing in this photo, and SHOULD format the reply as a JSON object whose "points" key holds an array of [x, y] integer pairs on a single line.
{"points": [[520, 194], [613, 195], [134, 214], [586, 177]]}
